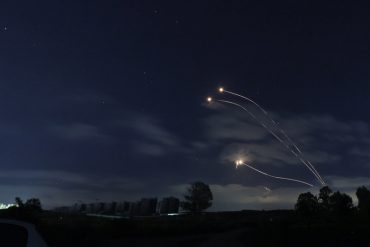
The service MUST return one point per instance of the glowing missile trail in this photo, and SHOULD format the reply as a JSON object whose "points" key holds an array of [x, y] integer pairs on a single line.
{"points": [[281, 131], [272, 133], [240, 162], [322, 180], [221, 89], [300, 152], [277, 137], [290, 140], [255, 118], [307, 164]]}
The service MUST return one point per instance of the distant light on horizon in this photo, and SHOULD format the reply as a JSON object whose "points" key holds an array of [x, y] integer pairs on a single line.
{"points": [[173, 214], [6, 206]]}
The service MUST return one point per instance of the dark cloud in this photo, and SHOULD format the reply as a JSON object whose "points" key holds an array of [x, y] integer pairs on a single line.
{"points": [[151, 130], [244, 138], [233, 189], [60, 187], [152, 138]]}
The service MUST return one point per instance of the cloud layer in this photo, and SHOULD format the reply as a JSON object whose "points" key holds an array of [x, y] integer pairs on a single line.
{"points": [[327, 142], [163, 162]]}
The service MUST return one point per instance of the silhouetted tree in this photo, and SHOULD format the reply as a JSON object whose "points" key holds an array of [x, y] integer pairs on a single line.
{"points": [[101, 207], [28, 211], [33, 204], [82, 208], [340, 203], [363, 196], [198, 198], [19, 202], [307, 204], [324, 195], [113, 208]]}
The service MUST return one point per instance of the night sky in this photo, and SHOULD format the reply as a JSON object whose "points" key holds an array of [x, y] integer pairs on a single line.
{"points": [[106, 100]]}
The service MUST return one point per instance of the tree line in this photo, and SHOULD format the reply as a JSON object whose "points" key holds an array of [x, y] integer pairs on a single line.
{"points": [[333, 203]]}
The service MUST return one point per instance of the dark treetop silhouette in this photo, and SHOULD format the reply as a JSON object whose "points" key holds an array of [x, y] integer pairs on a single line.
{"points": [[199, 198]]}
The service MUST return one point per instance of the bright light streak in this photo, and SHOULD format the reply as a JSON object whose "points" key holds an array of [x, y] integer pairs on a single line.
{"points": [[307, 164], [272, 176]]}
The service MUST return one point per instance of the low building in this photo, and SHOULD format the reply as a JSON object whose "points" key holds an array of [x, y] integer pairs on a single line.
{"points": [[144, 207], [169, 205]]}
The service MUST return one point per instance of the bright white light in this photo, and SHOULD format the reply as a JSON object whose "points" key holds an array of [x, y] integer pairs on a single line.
{"points": [[209, 99], [173, 214], [6, 206], [238, 163], [221, 89]]}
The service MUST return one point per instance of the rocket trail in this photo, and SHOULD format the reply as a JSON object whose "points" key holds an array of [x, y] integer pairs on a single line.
{"points": [[250, 100], [290, 140], [265, 112], [278, 138], [269, 175], [309, 165], [322, 180], [300, 152], [254, 117]]}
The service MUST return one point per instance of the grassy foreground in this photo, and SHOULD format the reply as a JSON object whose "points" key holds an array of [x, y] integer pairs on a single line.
{"points": [[244, 228]]}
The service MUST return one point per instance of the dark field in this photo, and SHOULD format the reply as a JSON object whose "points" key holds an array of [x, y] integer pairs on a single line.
{"points": [[245, 228], [12, 235]]}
